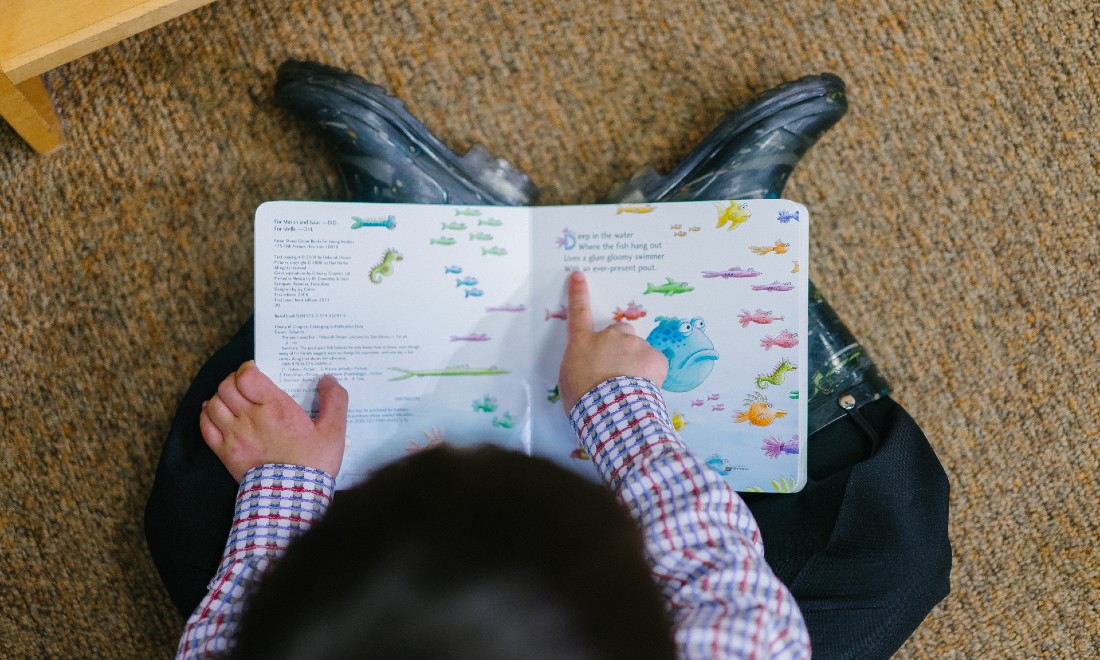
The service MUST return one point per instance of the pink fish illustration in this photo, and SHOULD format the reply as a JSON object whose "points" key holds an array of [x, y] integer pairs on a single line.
{"points": [[717, 407], [697, 402], [713, 397], [774, 286], [471, 337], [631, 313], [773, 446], [759, 316], [736, 271], [560, 314], [784, 339], [507, 308]]}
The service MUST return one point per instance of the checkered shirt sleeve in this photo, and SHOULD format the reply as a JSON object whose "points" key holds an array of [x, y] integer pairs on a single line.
{"points": [[275, 504], [701, 540]]}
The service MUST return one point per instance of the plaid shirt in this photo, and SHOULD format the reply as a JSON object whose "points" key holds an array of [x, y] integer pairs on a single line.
{"points": [[701, 540]]}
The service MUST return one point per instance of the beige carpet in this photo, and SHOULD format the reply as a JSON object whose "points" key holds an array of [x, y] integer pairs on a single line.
{"points": [[955, 229]]}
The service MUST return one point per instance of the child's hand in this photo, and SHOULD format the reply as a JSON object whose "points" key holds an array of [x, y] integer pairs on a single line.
{"points": [[251, 422], [593, 357]]}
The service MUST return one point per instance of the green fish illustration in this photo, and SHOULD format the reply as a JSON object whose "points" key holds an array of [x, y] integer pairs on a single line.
{"points": [[457, 226], [442, 240], [505, 421], [481, 236], [472, 212], [486, 404], [461, 370], [389, 222], [554, 395], [669, 288], [496, 251], [490, 222]]}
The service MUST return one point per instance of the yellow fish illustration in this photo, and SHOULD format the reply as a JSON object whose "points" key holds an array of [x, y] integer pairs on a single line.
{"points": [[779, 248], [760, 412], [732, 215], [678, 421], [634, 208], [795, 269]]}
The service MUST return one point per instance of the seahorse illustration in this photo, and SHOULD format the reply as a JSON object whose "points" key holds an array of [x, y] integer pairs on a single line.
{"points": [[777, 375], [385, 267]]}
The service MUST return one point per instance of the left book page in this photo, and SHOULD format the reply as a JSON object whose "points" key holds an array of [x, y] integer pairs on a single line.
{"points": [[394, 303]]}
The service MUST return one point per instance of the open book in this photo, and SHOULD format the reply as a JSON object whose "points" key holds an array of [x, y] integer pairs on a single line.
{"points": [[446, 323]]}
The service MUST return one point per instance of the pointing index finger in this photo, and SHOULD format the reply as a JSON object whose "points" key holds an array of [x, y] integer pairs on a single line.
{"points": [[579, 318]]}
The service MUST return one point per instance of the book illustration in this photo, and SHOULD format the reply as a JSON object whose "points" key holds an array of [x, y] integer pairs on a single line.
{"points": [[442, 240], [470, 337], [554, 395], [669, 288], [795, 269], [718, 407], [631, 313], [384, 268], [774, 447], [678, 421], [507, 308], [567, 240], [449, 270], [784, 484], [474, 292], [776, 376], [713, 397], [485, 404], [722, 465], [679, 233], [779, 248], [787, 216], [469, 280], [733, 215], [696, 403], [774, 286], [495, 251], [579, 454], [562, 314], [470, 212], [462, 370], [690, 352], [785, 339], [504, 421], [634, 208], [734, 272], [389, 222], [480, 236], [695, 228], [675, 227], [793, 394], [759, 316], [489, 222], [759, 413], [432, 438], [454, 226]]}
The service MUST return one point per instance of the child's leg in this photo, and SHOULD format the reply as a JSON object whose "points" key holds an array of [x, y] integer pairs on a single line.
{"points": [[190, 508]]}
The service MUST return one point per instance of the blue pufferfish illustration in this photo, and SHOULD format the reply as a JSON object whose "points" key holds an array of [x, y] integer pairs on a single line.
{"points": [[690, 352]]}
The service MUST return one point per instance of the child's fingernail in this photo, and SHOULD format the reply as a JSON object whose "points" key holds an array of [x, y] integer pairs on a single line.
{"points": [[205, 404]]}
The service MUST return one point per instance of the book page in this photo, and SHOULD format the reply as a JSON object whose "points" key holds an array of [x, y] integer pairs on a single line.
{"points": [[720, 288], [421, 312]]}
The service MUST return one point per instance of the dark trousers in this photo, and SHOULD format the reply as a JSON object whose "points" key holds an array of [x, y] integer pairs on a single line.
{"points": [[863, 548]]}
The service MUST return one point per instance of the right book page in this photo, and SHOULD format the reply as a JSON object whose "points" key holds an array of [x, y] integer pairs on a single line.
{"points": [[721, 289]]}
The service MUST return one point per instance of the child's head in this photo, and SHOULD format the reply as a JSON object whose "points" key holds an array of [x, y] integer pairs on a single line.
{"points": [[478, 553]]}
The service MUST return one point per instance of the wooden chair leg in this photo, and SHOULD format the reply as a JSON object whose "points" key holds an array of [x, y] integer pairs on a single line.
{"points": [[27, 107]]}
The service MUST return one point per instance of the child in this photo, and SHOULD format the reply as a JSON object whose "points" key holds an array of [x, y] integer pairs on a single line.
{"points": [[485, 554]]}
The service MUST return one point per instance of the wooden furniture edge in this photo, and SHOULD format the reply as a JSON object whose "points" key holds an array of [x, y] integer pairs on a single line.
{"points": [[27, 108]]}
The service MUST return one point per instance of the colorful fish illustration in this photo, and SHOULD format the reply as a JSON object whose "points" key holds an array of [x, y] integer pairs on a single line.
{"points": [[562, 314], [787, 216], [470, 212], [696, 402], [480, 236], [554, 395], [678, 421], [695, 229], [795, 269], [776, 376], [785, 339], [631, 313], [495, 251], [718, 407], [675, 227], [489, 222], [691, 355], [773, 446], [507, 308], [384, 268], [469, 280], [473, 293], [774, 286], [471, 337], [389, 222], [580, 454], [485, 404], [736, 271], [733, 215], [723, 466], [455, 226], [759, 413], [504, 421], [779, 248], [713, 397], [759, 316], [568, 240], [461, 370], [442, 240], [669, 288], [679, 233], [635, 208], [447, 270]]}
